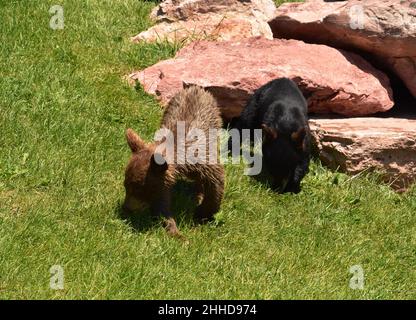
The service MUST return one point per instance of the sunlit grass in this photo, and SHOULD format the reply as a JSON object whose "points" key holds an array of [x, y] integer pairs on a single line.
{"points": [[64, 107]]}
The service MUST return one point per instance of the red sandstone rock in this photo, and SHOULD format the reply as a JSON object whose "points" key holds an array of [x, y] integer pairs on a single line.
{"points": [[385, 29], [353, 145], [331, 80], [187, 20]]}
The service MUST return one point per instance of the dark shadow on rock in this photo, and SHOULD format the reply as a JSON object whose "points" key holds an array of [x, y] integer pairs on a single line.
{"points": [[404, 102]]}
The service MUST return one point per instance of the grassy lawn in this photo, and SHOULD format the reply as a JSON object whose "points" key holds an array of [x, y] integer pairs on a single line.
{"points": [[63, 111], [279, 2]]}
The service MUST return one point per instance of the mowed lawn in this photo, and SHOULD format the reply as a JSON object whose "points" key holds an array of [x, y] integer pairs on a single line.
{"points": [[64, 107]]}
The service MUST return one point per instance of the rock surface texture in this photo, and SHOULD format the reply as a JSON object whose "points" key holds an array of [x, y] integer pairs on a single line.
{"points": [[187, 20], [354, 145], [383, 29], [333, 81]]}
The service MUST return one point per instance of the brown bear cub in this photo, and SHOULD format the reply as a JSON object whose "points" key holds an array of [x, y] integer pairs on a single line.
{"points": [[151, 173]]}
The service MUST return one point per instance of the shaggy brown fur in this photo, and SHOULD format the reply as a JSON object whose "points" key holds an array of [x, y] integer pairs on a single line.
{"points": [[149, 183]]}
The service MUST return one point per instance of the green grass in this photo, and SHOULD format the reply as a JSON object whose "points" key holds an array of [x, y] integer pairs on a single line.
{"points": [[279, 2], [63, 110]]}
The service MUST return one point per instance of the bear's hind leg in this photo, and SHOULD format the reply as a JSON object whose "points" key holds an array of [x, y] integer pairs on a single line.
{"points": [[213, 185]]}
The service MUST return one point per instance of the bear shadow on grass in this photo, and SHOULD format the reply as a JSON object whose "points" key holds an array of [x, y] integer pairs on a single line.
{"points": [[183, 209], [264, 178]]}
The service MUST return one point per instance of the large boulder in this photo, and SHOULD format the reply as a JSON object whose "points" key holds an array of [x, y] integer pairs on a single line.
{"points": [[187, 20], [385, 30], [333, 81], [354, 145]]}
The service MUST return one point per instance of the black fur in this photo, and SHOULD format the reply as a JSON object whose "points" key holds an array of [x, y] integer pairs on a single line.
{"points": [[281, 110]]}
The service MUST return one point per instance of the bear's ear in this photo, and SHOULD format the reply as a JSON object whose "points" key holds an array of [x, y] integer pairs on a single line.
{"points": [[299, 136], [159, 163], [134, 141], [269, 132]]}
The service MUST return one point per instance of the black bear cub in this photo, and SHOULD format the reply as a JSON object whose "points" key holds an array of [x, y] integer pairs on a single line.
{"points": [[280, 110]]}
